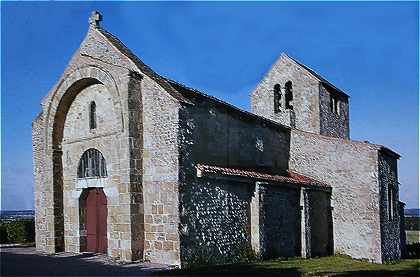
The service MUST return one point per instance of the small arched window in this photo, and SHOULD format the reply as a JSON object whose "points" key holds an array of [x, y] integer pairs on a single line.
{"points": [[277, 98], [92, 164], [92, 115], [289, 95]]}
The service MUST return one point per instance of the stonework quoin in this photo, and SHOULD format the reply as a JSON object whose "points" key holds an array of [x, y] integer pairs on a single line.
{"points": [[185, 178]]}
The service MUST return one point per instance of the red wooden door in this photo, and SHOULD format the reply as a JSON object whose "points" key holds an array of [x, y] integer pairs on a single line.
{"points": [[96, 214]]}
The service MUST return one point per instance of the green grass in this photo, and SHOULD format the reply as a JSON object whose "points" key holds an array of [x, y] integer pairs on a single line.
{"points": [[412, 236], [326, 266]]}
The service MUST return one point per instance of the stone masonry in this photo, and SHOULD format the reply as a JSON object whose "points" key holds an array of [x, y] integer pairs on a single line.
{"points": [[189, 178]]}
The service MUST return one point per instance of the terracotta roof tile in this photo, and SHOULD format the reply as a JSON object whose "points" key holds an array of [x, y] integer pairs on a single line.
{"points": [[293, 177]]}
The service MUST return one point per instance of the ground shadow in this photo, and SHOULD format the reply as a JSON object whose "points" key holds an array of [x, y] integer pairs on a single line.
{"points": [[410, 272], [261, 270], [235, 270], [13, 264], [88, 264]]}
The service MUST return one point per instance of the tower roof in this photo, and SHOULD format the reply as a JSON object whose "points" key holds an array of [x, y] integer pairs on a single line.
{"points": [[318, 76]]}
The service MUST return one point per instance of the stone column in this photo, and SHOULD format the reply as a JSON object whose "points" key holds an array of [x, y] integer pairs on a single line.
{"points": [[283, 98], [255, 219], [135, 130], [262, 241], [305, 239]]}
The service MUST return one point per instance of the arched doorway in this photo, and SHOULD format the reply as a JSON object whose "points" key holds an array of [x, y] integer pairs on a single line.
{"points": [[93, 203], [93, 221], [96, 214]]}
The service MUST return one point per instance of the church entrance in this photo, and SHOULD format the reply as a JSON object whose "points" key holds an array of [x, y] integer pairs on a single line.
{"points": [[95, 220]]}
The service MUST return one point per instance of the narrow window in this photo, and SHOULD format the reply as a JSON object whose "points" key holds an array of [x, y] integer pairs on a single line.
{"points": [[277, 98], [334, 104], [289, 95], [390, 203], [92, 115]]}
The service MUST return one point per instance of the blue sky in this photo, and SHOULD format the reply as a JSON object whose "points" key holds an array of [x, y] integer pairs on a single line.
{"points": [[370, 50]]}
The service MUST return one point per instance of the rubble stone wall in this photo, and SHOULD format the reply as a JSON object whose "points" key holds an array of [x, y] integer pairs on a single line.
{"points": [[218, 135], [213, 134], [280, 220], [389, 212], [215, 217], [351, 169], [332, 124]]}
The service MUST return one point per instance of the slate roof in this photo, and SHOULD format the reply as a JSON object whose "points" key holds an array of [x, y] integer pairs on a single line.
{"points": [[291, 178], [388, 151], [319, 77], [188, 92], [142, 66]]}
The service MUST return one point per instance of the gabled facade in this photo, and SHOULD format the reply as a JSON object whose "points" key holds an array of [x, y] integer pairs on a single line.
{"points": [[140, 167]]}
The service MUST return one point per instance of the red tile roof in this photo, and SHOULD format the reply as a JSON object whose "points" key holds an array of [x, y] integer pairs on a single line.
{"points": [[293, 177]]}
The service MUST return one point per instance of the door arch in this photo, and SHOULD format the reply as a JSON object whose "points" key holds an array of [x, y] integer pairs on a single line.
{"points": [[93, 223]]}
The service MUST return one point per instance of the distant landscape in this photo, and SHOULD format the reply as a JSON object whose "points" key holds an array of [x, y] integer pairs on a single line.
{"points": [[8, 214], [31, 213], [412, 212]]}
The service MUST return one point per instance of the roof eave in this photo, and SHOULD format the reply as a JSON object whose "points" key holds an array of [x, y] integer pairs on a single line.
{"points": [[317, 76], [114, 41], [389, 152]]}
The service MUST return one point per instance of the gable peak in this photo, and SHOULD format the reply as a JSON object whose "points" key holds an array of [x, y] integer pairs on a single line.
{"points": [[94, 19]]}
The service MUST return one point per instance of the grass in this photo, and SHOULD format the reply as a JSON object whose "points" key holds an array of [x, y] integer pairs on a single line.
{"points": [[326, 266], [412, 236]]}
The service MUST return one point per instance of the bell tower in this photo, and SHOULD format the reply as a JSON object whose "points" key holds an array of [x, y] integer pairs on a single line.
{"points": [[296, 96]]}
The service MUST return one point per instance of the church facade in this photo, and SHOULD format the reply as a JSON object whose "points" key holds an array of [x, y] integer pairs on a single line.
{"points": [[139, 167]]}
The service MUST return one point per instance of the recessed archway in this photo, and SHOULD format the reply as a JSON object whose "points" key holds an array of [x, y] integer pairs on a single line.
{"points": [[60, 102]]}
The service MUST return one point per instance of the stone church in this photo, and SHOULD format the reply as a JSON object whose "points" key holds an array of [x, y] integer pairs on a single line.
{"points": [[137, 166]]}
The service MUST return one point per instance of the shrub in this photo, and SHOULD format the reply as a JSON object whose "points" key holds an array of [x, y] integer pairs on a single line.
{"points": [[412, 251], [17, 231], [412, 223], [3, 233], [248, 255], [197, 256]]}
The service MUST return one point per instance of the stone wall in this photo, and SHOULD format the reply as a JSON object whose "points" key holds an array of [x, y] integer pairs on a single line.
{"points": [[215, 134], [280, 220], [403, 235], [38, 166], [219, 135], [214, 220], [160, 174], [351, 168], [331, 124], [305, 95], [390, 217], [64, 145]]}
